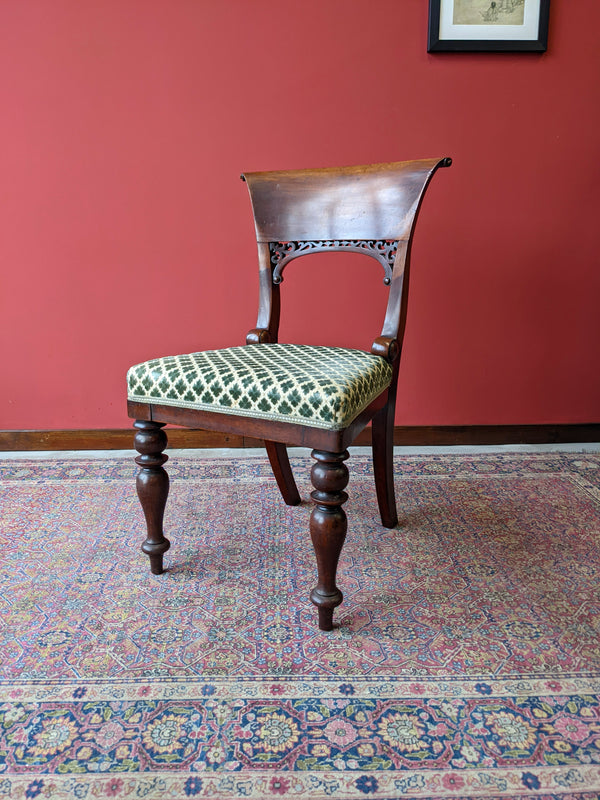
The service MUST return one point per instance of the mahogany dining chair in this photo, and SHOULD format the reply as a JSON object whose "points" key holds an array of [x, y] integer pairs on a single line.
{"points": [[292, 394]]}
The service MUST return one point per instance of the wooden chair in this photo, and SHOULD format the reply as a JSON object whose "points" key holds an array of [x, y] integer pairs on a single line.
{"points": [[320, 397]]}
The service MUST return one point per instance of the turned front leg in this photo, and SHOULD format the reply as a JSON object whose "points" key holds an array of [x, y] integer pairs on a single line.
{"points": [[153, 488], [328, 529]]}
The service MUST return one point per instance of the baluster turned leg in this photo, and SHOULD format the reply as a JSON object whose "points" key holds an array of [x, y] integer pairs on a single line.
{"points": [[153, 488], [328, 529]]}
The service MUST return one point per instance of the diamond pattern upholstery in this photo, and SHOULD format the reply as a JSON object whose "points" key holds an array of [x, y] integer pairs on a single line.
{"points": [[324, 387]]}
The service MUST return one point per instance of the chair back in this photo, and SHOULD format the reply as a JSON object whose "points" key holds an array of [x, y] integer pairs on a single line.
{"points": [[368, 209]]}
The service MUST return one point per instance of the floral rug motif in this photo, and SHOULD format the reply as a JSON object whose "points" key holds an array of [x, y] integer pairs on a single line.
{"points": [[466, 661]]}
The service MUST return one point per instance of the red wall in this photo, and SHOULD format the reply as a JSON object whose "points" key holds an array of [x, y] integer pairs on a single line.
{"points": [[125, 232]]}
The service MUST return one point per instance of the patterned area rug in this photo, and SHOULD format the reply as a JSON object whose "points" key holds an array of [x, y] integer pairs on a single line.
{"points": [[466, 663]]}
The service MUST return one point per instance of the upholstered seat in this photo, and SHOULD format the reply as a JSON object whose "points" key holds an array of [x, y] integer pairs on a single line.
{"points": [[325, 387], [296, 394]]}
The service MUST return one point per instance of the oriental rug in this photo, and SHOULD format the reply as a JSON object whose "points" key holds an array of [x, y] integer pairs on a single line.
{"points": [[466, 663]]}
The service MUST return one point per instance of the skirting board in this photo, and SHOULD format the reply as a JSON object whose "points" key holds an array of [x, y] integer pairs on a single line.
{"points": [[122, 439]]}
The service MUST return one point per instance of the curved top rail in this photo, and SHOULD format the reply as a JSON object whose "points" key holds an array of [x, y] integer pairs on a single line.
{"points": [[373, 201]]}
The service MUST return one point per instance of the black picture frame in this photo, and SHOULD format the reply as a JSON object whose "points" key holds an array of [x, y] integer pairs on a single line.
{"points": [[472, 38]]}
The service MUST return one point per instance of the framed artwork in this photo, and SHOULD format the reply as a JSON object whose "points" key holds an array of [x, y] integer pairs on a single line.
{"points": [[488, 25]]}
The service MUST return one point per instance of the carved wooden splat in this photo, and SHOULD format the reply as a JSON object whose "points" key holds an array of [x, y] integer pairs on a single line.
{"points": [[382, 250]]}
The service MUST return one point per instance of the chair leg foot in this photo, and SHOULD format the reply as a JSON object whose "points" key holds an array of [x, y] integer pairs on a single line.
{"points": [[152, 486], [325, 618], [328, 529]]}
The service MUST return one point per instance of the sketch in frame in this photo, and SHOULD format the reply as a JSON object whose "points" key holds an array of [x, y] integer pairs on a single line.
{"points": [[484, 12], [488, 25]]}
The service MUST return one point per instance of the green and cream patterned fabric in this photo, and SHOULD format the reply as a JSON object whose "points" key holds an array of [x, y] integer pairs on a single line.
{"points": [[325, 387]]}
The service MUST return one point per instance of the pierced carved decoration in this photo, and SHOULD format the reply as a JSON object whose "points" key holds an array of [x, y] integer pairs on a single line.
{"points": [[382, 250]]}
